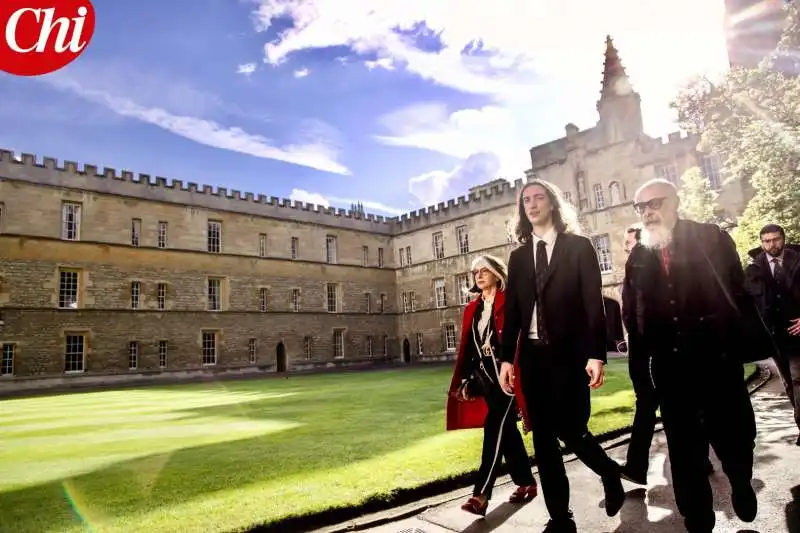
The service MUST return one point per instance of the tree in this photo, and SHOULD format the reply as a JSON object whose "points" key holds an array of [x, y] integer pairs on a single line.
{"points": [[698, 199], [751, 118]]}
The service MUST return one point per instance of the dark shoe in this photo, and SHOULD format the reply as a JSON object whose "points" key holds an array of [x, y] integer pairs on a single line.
{"points": [[797, 442], [628, 474], [524, 494], [563, 525], [476, 506], [744, 500], [615, 495]]}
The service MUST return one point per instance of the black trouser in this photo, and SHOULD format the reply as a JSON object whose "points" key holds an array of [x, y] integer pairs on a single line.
{"points": [[501, 439], [644, 418], [712, 400], [556, 390], [789, 367]]}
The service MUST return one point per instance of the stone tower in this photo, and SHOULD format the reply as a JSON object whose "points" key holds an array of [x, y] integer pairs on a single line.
{"points": [[619, 107]]}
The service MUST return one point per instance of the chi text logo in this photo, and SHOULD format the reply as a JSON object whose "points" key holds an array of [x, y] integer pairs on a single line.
{"points": [[41, 36]]}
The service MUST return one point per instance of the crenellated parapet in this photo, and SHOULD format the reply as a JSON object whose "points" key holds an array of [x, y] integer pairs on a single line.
{"points": [[26, 167], [498, 195]]}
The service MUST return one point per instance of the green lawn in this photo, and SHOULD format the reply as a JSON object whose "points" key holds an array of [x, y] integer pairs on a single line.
{"points": [[219, 457]]}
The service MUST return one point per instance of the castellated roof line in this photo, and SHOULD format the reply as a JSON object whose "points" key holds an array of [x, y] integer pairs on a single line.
{"points": [[25, 167]]}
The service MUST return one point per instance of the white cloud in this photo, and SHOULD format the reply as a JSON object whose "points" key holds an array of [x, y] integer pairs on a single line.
{"points": [[246, 69], [314, 154], [430, 188], [302, 195], [301, 73], [384, 62]]}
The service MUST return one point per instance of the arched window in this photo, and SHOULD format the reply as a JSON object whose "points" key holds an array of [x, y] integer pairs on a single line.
{"points": [[615, 192], [599, 196]]}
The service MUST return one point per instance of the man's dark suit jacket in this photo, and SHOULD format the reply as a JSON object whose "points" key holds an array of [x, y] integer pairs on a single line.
{"points": [[571, 300], [702, 305], [758, 274]]}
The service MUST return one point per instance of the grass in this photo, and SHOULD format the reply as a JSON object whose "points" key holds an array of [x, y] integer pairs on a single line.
{"points": [[224, 456]]}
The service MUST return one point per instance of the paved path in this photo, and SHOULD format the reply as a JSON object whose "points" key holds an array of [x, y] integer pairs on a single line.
{"points": [[650, 509]]}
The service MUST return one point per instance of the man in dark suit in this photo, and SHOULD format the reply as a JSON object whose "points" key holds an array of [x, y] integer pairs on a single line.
{"points": [[773, 279], [554, 309], [686, 301], [644, 419]]}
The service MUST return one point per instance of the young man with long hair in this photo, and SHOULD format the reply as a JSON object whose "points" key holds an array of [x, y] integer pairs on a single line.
{"points": [[554, 310]]}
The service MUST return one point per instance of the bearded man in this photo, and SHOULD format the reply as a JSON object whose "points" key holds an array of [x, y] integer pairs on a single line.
{"points": [[686, 302]]}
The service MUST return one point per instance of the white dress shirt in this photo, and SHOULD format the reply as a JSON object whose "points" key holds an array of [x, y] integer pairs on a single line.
{"points": [[550, 240]]}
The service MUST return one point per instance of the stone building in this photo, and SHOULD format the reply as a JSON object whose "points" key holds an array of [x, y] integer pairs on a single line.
{"points": [[108, 277]]}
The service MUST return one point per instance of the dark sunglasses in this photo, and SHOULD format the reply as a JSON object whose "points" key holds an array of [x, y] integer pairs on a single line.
{"points": [[654, 204]]}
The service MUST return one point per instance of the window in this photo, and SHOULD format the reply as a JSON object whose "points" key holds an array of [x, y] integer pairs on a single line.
{"points": [[711, 167], [162, 296], [70, 221], [307, 347], [402, 257], [380, 257], [405, 302], [602, 245], [368, 302], [214, 294], [338, 344], [668, 172], [450, 337], [567, 196], [365, 256], [209, 350], [262, 245], [74, 352], [7, 361], [162, 354], [295, 247], [420, 344], [330, 249], [162, 234], [463, 286], [463, 240], [262, 299], [68, 289], [331, 296], [615, 192], [133, 355], [412, 301], [136, 231], [438, 245], [136, 288], [252, 350], [440, 295], [408, 256], [599, 196], [214, 236], [296, 300], [382, 303], [370, 347]]}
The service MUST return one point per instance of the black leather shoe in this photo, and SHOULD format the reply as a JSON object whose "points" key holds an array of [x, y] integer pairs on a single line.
{"points": [[563, 525], [744, 500], [615, 495]]}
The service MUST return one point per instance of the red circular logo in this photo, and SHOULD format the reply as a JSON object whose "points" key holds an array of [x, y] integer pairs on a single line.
{"points": [[41, 36]]}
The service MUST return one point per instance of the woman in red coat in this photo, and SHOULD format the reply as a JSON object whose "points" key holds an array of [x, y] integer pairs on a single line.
{"points": [[476, 399]]}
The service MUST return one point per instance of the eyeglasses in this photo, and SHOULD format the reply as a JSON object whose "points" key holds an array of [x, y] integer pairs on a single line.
{"points": [[654, 204], [480, 271]]}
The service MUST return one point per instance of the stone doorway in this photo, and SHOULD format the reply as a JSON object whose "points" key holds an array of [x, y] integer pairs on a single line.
{"points": [[280, 358], [406, 351]]}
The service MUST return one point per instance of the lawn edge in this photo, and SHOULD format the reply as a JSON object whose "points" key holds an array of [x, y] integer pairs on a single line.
{"points": [[405, 503]]}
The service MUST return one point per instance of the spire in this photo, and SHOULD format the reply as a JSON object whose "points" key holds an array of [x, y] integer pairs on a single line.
{"points": [[615, 80]]}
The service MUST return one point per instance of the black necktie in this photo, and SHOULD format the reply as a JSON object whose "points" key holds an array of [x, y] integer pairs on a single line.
{"points": [[541, 270], [777, 272]]}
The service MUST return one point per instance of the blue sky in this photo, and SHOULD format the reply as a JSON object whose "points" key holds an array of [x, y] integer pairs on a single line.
{"points": [[395, 104]]}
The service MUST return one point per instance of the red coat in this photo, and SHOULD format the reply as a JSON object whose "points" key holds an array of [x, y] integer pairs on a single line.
{"points": [[471, 414]]}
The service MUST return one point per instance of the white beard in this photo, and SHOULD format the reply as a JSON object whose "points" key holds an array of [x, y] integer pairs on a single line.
{"points": [[656, 237]]}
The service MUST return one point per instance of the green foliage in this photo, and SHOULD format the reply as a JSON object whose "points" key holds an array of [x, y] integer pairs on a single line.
{"points": [[751, 118], [698, 199]]}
